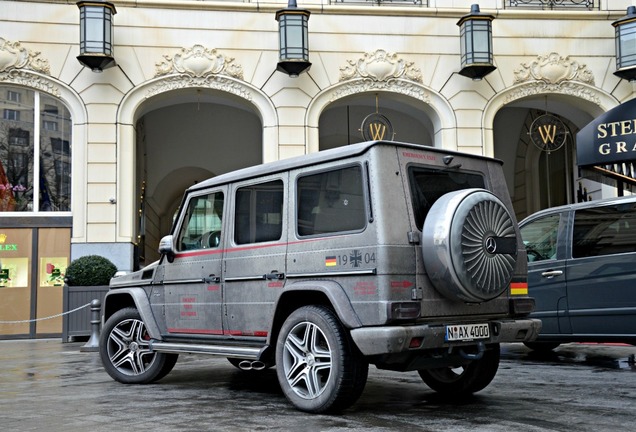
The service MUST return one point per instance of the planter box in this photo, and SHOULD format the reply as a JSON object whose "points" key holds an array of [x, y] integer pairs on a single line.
{"points": [[77, 325]]}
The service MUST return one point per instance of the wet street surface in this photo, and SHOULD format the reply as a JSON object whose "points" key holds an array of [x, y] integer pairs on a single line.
{"points": [[47, 385]]}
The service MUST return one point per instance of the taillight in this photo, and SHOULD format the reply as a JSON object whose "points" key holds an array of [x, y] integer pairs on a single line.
{"points": [[520, 306], [404, 310]]}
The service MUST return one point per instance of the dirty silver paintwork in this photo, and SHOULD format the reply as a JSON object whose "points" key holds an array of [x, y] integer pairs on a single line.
{"points": [[232, 300]]}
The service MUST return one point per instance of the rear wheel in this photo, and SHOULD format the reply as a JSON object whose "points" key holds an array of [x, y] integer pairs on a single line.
{"points": [[318, 367], [464, 380], [125, 350]]}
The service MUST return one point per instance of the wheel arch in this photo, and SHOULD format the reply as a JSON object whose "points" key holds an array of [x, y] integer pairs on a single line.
{"points": [[326, 293], [131, 297]]}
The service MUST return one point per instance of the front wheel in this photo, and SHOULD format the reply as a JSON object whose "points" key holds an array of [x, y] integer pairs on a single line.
{"points": [[464, 380], [319, 368], [125, 350]]}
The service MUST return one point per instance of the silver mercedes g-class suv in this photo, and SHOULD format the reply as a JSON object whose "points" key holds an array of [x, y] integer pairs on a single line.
{"points": [[398, 255]]}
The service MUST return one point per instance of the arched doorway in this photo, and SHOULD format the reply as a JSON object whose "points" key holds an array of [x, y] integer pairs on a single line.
{"points": [[539, 176], [341, 122], [183, 137]]}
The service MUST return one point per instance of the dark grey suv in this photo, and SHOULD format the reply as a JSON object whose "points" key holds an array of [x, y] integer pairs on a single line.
{"points": [[582, 272]]}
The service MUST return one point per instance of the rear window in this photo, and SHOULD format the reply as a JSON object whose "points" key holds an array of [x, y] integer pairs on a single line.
{"points": [[428, 185], [604, 231]]}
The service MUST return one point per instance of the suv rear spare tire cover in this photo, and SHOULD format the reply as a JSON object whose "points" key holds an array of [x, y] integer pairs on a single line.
{"points": [[469, 245]]}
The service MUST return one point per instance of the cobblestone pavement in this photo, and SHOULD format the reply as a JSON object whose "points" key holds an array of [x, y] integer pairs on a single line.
{"points": [[47, 385]]}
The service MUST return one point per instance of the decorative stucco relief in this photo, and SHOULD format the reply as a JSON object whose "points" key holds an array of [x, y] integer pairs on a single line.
{"points": [[199, 62], [17, 65], [554, 69], [199, 67], [213, 82], [567, 88], [554, 74], [380, 66], [380, 70]]}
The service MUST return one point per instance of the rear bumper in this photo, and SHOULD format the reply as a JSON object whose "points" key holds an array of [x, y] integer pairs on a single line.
{"points": [[397, 339]]}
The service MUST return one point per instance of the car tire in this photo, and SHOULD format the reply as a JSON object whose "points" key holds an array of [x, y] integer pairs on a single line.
{"points": [[464, 380], [469, 245], [125, 352], [318, 367]]}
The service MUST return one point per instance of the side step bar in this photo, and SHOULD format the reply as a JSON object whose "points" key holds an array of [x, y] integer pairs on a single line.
{"points": [[217, 350]]}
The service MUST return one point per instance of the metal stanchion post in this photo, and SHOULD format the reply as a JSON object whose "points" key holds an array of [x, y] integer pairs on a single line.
{"points": [[93, 342]]}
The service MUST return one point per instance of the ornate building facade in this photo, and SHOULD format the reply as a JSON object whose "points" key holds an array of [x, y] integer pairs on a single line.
{"points": [[96, 163]]}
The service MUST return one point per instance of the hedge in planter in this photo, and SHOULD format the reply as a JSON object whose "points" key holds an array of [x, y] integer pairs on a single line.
{"points": [[90, 270], [87, 279]]}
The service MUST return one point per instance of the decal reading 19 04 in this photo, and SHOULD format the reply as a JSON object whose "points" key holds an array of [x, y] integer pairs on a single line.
{"points": [[355, 258]]}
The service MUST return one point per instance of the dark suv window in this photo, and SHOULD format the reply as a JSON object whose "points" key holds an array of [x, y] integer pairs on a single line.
{"points": [[428, 185], [259, 213], [604, 231], [330, 202]]}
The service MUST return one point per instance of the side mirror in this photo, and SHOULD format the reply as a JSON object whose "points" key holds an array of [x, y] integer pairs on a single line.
{"points": [[166, 247]]}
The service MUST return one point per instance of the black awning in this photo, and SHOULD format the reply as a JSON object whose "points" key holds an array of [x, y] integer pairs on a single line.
{"points": [[609, 139]]}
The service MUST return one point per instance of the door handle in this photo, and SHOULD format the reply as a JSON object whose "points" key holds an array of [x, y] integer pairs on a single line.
{"points": [[274, 275], [551, 273], [212, 279]]}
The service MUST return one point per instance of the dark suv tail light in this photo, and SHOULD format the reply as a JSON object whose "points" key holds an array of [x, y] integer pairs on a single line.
{"points": [[521, 306], [404, 310]]}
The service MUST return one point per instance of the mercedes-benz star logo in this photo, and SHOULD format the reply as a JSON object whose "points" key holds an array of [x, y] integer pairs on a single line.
{"points": [[491, 245]]}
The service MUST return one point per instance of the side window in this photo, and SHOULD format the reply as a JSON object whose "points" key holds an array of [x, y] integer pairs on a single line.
{"points": [[604, 231], [331, 202], [428, 185], [259, 213], [540, 238], [202, 225]]}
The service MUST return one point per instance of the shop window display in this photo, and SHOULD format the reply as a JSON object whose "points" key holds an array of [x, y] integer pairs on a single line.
{"points": [[27, 186]]}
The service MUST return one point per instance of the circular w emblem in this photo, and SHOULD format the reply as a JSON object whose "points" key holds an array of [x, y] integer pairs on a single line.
{"points": [[376, 127]]}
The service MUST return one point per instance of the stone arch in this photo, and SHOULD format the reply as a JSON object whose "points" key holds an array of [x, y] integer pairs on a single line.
{"points": [[551, 84], [378, 72], [191, 68], [23, 67], [552, 75]]}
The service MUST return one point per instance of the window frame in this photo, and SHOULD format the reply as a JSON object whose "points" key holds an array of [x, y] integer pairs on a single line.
{"points": [[416, 205], [609, 218], [364, 184], [187, 216], [236, 220]]}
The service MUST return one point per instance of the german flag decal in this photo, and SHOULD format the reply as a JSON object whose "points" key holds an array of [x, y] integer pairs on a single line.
{"points": [[331, 261], [519, 288]]}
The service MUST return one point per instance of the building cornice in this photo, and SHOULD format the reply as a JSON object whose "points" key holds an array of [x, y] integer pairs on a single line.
{"points": [[316, 7]]}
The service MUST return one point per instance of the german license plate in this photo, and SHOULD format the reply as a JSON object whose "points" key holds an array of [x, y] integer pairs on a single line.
{"points": [[467, 332]]}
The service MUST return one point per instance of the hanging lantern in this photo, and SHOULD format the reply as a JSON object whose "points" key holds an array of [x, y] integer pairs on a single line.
{"points": [[626, 45], [96, 34], [475, 32], [293, 40]]}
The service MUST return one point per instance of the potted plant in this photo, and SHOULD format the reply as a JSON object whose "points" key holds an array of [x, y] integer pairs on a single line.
{"points": [[86, 279]]}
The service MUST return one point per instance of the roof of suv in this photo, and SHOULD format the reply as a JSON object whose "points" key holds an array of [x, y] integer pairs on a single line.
{"points": [[581, 205], [315, 158]]}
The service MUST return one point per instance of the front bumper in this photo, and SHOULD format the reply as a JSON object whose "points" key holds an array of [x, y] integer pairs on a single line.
{"points": [[397, 339]]}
